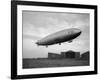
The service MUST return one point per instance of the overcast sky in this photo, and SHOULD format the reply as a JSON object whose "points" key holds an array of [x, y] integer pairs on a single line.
{"points": [[37, 25]]}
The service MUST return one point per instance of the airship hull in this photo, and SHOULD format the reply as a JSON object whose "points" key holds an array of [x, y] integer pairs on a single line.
{"points": [[60, 37]]}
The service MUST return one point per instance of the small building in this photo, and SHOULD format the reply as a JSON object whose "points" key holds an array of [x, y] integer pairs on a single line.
{"points": [[77, 55], [70, 54], [85, 56], [53, 55]]}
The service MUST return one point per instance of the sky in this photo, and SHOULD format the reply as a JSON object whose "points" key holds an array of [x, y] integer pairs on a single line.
{"points": [[39, 24]]}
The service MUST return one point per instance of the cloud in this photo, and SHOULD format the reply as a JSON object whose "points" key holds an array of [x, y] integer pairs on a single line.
{"points": [[31, 37]]}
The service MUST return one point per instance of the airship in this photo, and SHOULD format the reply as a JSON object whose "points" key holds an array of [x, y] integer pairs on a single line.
{"points": [[66, 35]]}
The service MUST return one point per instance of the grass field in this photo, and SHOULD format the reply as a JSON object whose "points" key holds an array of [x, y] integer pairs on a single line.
{"points": [[43, 63]]}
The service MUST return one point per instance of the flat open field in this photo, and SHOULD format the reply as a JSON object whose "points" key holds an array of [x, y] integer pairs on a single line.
{"points": [[43, 63]]}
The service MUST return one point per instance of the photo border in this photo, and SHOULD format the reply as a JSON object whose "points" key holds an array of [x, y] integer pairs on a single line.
{"points": [[14, 38]]}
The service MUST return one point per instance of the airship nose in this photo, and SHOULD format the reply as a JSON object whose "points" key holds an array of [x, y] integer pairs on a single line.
{"points": [[78, 31]]}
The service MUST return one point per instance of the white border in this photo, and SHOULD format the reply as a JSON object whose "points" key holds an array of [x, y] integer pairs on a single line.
{"points": [[21, 71]]}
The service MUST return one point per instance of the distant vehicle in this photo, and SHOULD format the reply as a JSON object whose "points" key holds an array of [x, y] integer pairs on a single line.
{"points": [[59, 37]]}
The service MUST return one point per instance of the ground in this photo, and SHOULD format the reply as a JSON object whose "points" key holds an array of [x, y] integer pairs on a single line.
{"points": [[43, 63]]}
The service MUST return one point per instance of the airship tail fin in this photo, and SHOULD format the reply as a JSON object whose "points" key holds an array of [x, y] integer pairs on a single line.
{"points": [[37, 43]]}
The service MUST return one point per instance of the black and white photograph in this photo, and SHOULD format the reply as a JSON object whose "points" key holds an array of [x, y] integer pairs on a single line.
{"points": [[53, 39]]}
